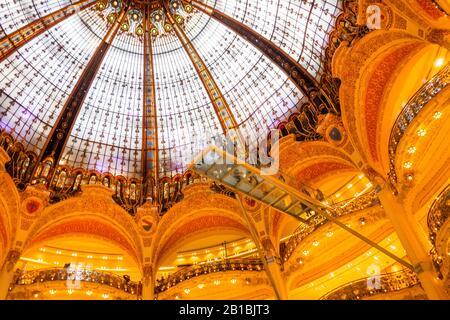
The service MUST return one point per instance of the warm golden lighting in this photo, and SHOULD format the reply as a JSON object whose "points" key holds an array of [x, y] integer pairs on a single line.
{"points": [[421, 132], [407, 165], [108, 191], [437, 115], [439, 62]]}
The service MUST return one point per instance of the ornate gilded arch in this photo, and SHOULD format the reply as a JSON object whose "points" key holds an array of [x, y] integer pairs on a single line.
{"points": [[201, 211], [367, 71], [94, 214]]}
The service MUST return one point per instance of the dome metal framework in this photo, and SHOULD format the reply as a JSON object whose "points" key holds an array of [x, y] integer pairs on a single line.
{"points": [[131, 87]]}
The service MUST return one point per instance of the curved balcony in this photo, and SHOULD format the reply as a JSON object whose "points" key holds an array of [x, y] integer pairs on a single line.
{"points": [[437, 217], [368, 287], [427, 92], [208, 268], [367, 200], [73, 276]]}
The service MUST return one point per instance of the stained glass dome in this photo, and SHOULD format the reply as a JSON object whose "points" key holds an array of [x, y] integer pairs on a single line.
{"points": [[38, 78]]}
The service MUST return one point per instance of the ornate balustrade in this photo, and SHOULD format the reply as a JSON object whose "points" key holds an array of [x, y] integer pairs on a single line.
{"points": [[207, 268], [367, 287], [364, 201], [437, 216], [427, 92], [346, 207], [440, 5], [71, 276]]}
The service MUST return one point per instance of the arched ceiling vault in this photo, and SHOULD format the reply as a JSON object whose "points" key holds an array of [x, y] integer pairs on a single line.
{"points": [[201, 212], [371, 66], [95, 214]]}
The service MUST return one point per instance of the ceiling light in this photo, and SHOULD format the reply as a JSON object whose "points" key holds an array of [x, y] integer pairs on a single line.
{"points": [[437, 115], [407, 165], [421, 132], [411, 150], [439, 62]]}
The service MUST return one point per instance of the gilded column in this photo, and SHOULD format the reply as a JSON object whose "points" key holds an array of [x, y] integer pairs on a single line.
{"points": [[410, 234], [148, 283], [412, 238], [8, 272], [12, 42], [266, 251]]}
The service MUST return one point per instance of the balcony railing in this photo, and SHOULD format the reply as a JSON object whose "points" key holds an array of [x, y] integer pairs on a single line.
{"points": [[208, 268], [367, 287], [362, 202], [438, 215], [72, 276], [427, 92]]}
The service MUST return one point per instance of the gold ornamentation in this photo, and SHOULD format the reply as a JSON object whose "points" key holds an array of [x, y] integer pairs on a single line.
{"points": [[11, 260]]}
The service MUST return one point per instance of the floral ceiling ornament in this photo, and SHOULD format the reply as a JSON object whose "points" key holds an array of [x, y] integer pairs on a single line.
{"points": [[134, 24]]}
